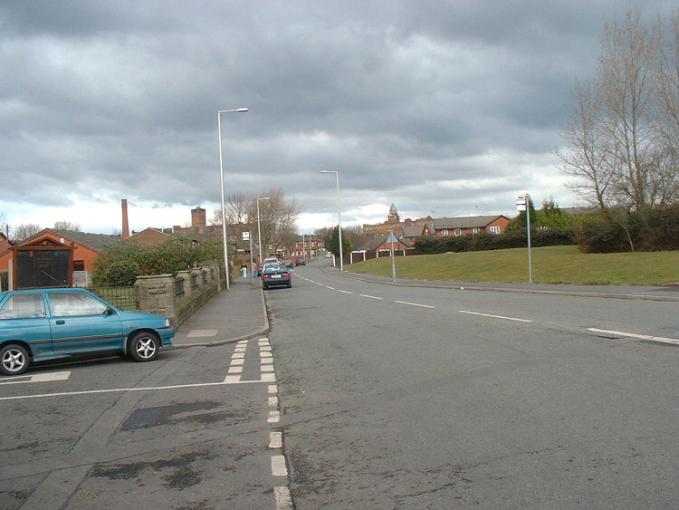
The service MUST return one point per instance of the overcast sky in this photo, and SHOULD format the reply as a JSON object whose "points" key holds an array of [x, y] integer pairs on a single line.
{"points": [[442, 108]]}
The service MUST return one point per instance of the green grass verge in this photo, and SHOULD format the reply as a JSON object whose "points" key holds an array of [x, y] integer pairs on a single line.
{"points": [[553, 264]]}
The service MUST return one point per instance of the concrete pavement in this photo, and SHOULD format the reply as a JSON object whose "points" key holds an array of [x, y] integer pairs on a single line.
{"points": [[230, 316]]}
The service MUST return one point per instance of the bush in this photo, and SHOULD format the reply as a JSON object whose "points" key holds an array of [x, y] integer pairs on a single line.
{"points": [[485, 241], [122, 273]]}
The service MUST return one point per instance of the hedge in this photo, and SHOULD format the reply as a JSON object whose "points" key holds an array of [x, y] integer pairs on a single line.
{"points": [[484, 241]]}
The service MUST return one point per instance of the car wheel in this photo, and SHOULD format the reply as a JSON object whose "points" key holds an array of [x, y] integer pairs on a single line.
{"points": [[14, 359], [144, 346]]}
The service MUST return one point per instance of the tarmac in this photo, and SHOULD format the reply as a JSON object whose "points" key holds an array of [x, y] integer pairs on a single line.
{"points": [[240, 313]]}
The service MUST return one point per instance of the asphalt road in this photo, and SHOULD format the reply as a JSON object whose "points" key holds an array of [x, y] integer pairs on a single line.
{"points": [[409, 398]]}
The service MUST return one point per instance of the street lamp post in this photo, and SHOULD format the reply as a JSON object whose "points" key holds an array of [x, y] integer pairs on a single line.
{"points": [[339, 215], [221, 187], [259, 229]]}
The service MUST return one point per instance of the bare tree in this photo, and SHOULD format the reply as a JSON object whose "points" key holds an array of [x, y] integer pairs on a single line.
{"points": [[25, 230], [4, 226], [66, 225], [278, 216], [238, 206], [588, 156]]}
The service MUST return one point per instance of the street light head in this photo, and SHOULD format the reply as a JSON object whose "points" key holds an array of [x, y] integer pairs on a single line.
{"points": [[263, 198], [328, 171], [241, 110]]}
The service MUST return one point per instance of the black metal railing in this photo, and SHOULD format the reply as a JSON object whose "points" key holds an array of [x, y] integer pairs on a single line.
{"points": [[179, 286], [120, 297]]}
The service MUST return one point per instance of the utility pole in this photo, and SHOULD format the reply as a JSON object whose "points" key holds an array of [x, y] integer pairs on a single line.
{"points": [[523, 204]]}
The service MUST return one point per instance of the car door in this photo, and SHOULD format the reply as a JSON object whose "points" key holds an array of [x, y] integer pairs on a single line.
{"points": [[23, 318], [81, 324]]}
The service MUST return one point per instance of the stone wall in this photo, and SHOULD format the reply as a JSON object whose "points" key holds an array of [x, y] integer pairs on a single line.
{"points": [[178, 297]]}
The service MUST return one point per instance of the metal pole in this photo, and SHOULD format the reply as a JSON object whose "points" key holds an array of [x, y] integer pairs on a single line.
{"points": [[339, 224], [252, 276], [221, 188], [259, 234], [530, 265], [393, 258]]}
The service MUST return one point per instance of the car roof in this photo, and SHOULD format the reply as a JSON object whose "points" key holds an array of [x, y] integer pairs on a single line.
{"points": [[44, 289]]}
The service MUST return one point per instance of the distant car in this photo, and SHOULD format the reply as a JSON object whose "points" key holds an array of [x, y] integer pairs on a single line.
{"points": [[300, 261], [53, 324], [276, 276], [265, 262], [328, 255], [289, 264]]}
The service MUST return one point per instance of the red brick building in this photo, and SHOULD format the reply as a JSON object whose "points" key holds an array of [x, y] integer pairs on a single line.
{"points": [[469, 225]]}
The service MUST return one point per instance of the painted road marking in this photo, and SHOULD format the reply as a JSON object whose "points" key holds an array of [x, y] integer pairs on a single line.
{"points": [[413, 304], [194, 333], [267, 368], [235, 370], [344, 291], [263, 340], [329, 287], [238, 355], [274, 416], [46, 377], [273, 401], [278, 467], [273, 389], [265, 348], [369, 296], [283, 499], [236, 362], [496, 316], [651, 338], [275, 440], [146, 388]]}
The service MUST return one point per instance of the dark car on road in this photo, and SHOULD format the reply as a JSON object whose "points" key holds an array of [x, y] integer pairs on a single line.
{"points": [[53, 324], [276, 276], [299, 261]]}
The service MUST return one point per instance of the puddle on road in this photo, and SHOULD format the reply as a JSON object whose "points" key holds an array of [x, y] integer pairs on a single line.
{"points": [[179, 412]]}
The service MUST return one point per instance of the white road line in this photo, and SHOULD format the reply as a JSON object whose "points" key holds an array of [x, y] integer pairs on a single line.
{"points": [[413, 304], [273, 401], [275, 440], [311, 281], [329, 287], [495, 316], [235, 370], [651, 338], [239, 350], [146, 388], [267, 368], [33, 378], [369, 296], [278, 467], [268, 378], [273, 389], [238, 355], [263, 340], [231, 379], [274, 416], [344, 291], [282, 497], [236, 362]]}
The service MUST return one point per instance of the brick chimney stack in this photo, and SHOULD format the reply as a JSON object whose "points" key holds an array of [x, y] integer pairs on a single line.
{"points": [[126, 224], [198, 219]]}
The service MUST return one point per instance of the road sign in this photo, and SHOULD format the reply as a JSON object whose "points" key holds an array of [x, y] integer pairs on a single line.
{"points": [[246, 236]]}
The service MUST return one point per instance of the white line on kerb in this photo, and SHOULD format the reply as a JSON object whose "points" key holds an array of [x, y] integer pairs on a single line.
{"points": [[344, 291], [413, 304], [278, 466], [661, 339], [495, 316], [369, 296], [283, 499]]}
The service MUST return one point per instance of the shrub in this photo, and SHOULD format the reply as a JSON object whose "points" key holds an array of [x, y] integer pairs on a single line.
{"points": [[122, 273], [484, 241]]}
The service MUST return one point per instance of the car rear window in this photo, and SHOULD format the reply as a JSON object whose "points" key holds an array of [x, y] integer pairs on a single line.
{"points": [[23, 306]]}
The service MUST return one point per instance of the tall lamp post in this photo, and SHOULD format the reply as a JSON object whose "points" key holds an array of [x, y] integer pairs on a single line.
{"points": [[259, 229], [221, 187], [339, 215]]}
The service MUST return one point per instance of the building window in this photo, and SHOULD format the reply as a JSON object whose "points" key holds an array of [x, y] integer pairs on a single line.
{"points": [[78, 265], [444, 232], [494, 229], [458, 232], [475, 230]]}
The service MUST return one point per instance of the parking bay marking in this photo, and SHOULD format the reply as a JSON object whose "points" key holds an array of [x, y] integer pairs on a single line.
{"points": [[47, 377], [661, 339], [147, 388], [495, 316]]}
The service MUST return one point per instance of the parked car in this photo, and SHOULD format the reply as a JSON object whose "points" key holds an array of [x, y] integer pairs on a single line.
{"points": [[52, 324], [274, 276], [289, 264], [300, 261]]}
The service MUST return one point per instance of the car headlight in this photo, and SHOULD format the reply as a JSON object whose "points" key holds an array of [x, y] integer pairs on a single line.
{"points": [[167, 323]]}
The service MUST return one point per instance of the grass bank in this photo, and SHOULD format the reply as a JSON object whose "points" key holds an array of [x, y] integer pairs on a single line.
{"points": [[553, 264]]}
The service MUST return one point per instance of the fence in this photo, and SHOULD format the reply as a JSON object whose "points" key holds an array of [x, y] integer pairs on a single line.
{"points": [[121, 297]]}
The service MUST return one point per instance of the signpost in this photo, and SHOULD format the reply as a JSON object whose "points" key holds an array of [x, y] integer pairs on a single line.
{"points": [[523, 204], [248, 237]]}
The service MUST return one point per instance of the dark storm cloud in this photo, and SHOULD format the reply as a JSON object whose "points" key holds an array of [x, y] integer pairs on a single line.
{"points": [[399, 96]]}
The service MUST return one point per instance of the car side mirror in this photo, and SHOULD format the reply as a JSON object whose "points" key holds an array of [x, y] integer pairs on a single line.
{"points": [[109, 311]]}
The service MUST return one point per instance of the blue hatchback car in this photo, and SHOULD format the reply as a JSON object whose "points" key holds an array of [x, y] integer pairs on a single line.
{"points": [[51, 324]]}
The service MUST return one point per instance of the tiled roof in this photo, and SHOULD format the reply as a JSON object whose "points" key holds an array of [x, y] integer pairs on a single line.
{"points": [[96, 241], [464, 222]]}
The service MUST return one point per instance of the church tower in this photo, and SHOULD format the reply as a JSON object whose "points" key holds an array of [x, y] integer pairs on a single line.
{"points": [[393, 215]]}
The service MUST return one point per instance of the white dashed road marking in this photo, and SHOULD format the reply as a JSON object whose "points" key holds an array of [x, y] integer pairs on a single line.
{"points": [[496, 316], [274, 416], [369, 296], [413, 304], [344, 291], [329, 287], [660, 339], [278, 467], [47, 377], [283, 499], [275, 440]]}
